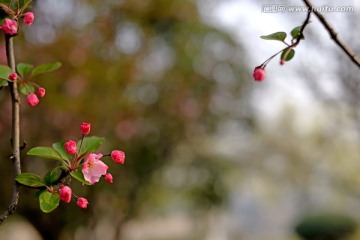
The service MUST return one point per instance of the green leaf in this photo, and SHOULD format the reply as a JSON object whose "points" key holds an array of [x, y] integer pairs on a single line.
{"points": [[24, 3], [26, 88], [3, 83], [80, 177], [90, 144], [48, 67], [295, 32], [5, 71], [45, 152], [279, 36], [30, 180], [48, 201], [60, 148], [52, 176], [289, 55], [24, 69]]}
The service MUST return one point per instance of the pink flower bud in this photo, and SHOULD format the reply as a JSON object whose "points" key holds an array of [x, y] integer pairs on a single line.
{"points": [[28, 18], [259, 74], [109, 178], [13, 76], [118, 156], [82, 202], [9, 27], [282, 62], [41, 92], [70, 147], [65, 194], [85, 128], [32, 100]]}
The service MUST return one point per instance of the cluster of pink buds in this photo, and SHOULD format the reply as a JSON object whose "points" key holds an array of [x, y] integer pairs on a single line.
{"points": [[93, 168], [10, 26], [32, 99]]}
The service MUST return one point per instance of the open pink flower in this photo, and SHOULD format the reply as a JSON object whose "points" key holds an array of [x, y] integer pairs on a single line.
{"points": [[70, 147], [10, 27], [32, 100], [85, 128], [118, 156], [82, 202], [65, 193], [28, 18], [93, 168]]}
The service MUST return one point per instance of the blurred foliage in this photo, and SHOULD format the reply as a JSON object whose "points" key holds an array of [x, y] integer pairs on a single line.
{"points": [[326, 226], [153, 79]]}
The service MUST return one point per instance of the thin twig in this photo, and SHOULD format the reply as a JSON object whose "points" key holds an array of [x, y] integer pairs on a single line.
{"points": [[15, 130], [333, 34]]}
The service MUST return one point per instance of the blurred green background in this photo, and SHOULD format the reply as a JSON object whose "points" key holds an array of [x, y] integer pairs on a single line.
{"points": [[163, 84]]}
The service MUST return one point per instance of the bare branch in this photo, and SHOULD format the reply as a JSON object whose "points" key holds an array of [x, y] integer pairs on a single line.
{"points": [[333, 34], [15, 130]]}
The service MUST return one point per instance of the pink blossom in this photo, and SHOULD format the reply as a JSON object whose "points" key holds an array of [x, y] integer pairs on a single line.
{"points": [[10, 27], [32, 100], [118, 156], [85, 128], [109, 178], [65, 194], [41, 92], [259, 74], [93, 168], [13, 76], [28, 18], [70, 147], [82, 202]]}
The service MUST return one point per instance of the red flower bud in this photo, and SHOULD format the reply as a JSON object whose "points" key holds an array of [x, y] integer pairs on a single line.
{"points": [[28, 18], [32, 100], [10, 27], [85, 128], [65, 193], [118, 156], [70, 147], [13, 76], [41, 92], [259, 74], [82, 202]]}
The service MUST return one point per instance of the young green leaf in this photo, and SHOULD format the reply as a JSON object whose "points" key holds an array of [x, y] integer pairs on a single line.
{"points": [[90, 144], [48, 201], [60, 148], [30, 180], [44, 68], [79, 176], [24, 69], [45, 152], [52, 176], [290, 54], [26, 88], [3, 83], [5, 71], [295, 32], [279, 36]]}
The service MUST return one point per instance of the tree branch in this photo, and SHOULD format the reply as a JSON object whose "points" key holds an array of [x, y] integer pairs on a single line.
{"points": [[333, 34], [15, 129]]}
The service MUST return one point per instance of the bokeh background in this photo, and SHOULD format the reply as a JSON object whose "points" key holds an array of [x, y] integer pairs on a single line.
{"points": [[211, 154]]}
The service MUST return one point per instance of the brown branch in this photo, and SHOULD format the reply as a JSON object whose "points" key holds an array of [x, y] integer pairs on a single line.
{"points": [[333, 34], [15, 130]]}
